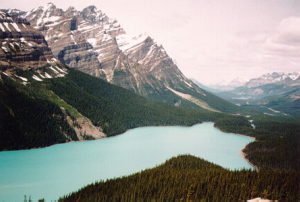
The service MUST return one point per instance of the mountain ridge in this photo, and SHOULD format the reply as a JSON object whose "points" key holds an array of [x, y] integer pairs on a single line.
{"points": [[88, 40], [274, 77]]}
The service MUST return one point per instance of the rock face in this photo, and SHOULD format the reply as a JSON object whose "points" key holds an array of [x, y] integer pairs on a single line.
{"points": [[23, 47], [90, 41], [83, 40]]}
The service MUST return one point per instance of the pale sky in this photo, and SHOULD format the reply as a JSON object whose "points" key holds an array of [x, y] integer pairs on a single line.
{"points": [[212, 41]]}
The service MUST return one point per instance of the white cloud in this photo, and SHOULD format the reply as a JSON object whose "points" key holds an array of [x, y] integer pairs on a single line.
{"points": [[281, 50], [286, 41]]}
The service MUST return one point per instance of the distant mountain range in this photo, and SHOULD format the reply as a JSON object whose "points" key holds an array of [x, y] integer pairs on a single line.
{"points": [[93, 43], [278, 92], [273, 78]]}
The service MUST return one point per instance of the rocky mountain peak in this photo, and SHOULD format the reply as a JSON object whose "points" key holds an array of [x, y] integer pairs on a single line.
{"points": [[43, 15], [13, 12], [92, 14], [91, 42], [49, 5], [90, 10], [47, 8], [71, 11]]}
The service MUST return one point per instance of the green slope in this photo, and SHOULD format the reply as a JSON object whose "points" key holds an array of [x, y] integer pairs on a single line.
{"points": [[116, 109], [277, 141], [286, 105], [27, 119]]}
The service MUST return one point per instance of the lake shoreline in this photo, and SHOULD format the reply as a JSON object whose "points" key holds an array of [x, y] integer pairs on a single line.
{"points": [[33, 148], [242, 154]]}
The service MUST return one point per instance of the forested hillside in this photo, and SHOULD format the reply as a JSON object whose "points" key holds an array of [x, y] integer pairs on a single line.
{"points": [[28, 120], [187, 178], [276, 145], [116, 109]]}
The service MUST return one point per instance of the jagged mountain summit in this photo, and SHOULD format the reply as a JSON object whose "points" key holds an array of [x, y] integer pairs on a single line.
{"points": [[93, 43], [90, 41]]}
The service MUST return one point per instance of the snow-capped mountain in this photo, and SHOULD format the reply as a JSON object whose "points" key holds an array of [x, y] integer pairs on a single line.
{"points": [[92, 42], [277, 91], [23, 47], [275, 77]]}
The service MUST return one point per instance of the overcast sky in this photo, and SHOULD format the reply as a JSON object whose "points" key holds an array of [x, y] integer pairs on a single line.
{"points": [[212, 41]]}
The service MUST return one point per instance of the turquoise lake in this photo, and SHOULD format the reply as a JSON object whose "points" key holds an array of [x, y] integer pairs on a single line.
{"points": [[60, 169]]}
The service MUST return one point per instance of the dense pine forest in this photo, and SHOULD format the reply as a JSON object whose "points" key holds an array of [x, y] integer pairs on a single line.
{"points": [[188, 178], [276, 145], [116, 109], [29, 120]]}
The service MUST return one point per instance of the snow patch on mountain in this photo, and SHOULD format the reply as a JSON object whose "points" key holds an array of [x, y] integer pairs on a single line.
{"points": [[22, 78], [92, 41], [35, 77], [126, 42], [16, 27]]}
